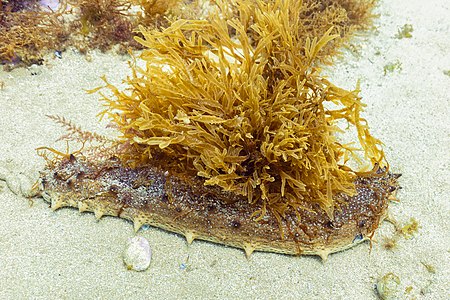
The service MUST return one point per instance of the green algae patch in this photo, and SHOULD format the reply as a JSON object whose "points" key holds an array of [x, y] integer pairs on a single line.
{"points": [[405, 32]]}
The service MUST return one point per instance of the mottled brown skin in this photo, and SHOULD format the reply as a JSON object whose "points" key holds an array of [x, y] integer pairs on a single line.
{"points": [[182, 204]]}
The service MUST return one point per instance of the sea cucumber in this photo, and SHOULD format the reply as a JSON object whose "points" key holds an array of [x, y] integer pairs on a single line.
{"points": [[228, 134], [181, 204]]}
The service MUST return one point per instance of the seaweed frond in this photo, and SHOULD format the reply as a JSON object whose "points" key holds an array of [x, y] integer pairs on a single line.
{"points": [[93, 146], [75, 133], [238, 100]]}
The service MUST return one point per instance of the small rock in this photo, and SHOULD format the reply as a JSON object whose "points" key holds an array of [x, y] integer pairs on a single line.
{"points": [[145, 227], [35, 69], [58, 54], [137, 254]]}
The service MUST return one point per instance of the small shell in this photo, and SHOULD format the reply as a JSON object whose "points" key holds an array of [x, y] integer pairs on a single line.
{"points": [[388, 287], [137, 254]]}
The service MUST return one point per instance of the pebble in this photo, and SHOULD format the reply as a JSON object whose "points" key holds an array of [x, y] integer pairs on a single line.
{"points": [[35, 69], [145, 227], [137, 254]]}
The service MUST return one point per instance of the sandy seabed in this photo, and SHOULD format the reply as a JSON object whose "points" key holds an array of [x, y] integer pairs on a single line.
{"points": [[68, 255]]}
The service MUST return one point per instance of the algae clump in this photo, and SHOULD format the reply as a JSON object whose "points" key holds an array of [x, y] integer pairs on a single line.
{"points": [[405, 32]]}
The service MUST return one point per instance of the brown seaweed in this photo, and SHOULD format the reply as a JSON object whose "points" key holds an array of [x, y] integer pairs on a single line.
{"points": [[29, 31]]}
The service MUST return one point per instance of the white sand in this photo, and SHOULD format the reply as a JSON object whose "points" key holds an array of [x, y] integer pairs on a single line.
{"points": [[67, 255]]}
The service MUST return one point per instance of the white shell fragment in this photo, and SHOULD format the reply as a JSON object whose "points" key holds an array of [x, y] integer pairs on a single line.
{"points": [[388, 287], [137, 254], [19, 183]]}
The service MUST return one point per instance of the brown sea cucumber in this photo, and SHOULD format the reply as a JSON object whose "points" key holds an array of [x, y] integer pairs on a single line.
{"points": [[181, 204]]}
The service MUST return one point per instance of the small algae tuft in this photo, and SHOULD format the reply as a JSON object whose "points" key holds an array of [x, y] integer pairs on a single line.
{"points": [[430, 268], [405, 231], [410, 228], [390, 243], [392, 66], [405, 32]]}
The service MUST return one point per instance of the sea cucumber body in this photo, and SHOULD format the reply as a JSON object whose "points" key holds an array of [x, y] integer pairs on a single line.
{"points": [[182, 204]]}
